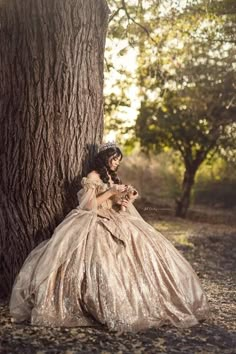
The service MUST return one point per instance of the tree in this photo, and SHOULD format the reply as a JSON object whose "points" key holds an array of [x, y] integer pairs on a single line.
{"points": [[188, 94], [51, 112], [126, 27], [225, 10]]}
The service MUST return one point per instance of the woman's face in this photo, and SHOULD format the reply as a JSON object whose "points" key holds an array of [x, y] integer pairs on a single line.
{"points": [[114, 162]]}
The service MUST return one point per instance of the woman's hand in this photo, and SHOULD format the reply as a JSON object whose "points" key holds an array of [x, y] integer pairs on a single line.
{"points": [[117, 188], [125, 202], [133, 197]]}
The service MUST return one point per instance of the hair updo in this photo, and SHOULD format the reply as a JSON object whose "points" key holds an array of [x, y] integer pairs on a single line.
{"points": [[101, 164]]}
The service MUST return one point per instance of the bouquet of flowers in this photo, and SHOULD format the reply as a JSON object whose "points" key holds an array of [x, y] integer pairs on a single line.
{"points": [[129, 193]]}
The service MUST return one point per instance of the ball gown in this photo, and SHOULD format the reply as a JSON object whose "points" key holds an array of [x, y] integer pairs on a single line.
{"points": [[104, 266]]}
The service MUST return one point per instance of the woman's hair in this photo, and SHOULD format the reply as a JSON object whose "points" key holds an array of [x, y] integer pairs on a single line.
{"points": [[101, 165]]}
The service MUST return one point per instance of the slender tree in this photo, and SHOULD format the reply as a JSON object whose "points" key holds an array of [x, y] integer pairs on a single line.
{"points": [[51, 114]]}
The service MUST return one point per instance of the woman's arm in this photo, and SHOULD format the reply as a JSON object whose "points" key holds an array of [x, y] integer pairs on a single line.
{"points": [[128, 198], [115, 189], [104, 196]]}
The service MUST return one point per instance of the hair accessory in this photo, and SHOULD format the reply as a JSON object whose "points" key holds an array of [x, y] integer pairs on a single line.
{"points": [[107, 145]]}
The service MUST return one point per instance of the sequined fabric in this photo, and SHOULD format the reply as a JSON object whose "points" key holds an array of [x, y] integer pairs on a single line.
{"points": [[110, 267]]}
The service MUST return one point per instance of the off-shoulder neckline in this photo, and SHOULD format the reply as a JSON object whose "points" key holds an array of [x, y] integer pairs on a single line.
{"points": [[94, 181]]}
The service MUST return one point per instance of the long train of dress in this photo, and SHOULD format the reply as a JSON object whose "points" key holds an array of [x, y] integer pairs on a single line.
{"points": [[104, 266]]}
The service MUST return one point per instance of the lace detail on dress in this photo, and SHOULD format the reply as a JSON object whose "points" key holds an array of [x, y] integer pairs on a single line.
{"points": [[87, 182], [98, 187]]}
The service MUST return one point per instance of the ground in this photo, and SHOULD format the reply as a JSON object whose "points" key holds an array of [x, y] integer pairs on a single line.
{"points": [[210, 248]]}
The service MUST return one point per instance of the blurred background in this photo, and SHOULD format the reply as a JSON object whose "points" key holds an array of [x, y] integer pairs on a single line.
{"points": [[170, 102]]}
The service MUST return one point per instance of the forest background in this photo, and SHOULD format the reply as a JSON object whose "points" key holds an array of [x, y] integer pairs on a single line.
{"points": [[170, 93]]}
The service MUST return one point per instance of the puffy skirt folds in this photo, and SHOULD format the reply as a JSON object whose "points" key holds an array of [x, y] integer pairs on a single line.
{"points": [[123, 274]]}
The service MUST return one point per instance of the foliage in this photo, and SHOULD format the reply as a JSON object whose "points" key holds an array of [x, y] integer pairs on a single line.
{"points": [[188, 101], [120, 74], [185, 77], [215, 184]]}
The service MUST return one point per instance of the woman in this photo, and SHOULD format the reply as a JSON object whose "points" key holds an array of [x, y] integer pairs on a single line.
{"points": [[105, 265]]}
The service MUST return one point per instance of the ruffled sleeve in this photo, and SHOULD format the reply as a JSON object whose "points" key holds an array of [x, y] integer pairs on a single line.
{"points": [[87, 183], [87, 195]]}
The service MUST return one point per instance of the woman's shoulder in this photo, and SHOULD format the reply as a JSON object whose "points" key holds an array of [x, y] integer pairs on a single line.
{"points": [[92, 178], [94, 175]]}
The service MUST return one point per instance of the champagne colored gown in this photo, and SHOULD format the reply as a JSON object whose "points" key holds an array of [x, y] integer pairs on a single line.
{"points": [[106, 266]]}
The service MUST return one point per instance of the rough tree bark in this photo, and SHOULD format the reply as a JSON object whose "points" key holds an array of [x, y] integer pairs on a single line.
{"points": [[51, 115]]}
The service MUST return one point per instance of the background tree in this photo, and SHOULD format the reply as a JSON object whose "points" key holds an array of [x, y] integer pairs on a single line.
{"points": [[51, 114], [188, 100]]}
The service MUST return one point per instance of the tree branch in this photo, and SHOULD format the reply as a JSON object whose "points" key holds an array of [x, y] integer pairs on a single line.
{"points": [[137, 23], [115, 13]]}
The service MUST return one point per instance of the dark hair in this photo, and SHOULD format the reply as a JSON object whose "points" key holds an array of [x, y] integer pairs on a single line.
{"points": [[101, 166]]}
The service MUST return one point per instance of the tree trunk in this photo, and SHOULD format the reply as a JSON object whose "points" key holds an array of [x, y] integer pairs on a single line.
{"points": [[182, 204], [51, 114]]}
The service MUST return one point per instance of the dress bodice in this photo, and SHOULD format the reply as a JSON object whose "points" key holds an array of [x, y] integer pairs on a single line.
{"points": [[100, 187]]}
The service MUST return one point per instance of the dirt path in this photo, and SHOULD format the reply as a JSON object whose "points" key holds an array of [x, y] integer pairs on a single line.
{"points": [[211, 249]]}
